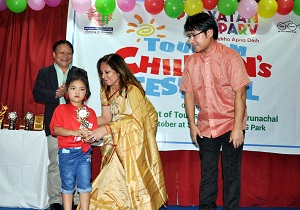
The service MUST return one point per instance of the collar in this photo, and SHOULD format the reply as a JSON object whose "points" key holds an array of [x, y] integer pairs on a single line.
{"points": [[58, 69], [211, 50]]}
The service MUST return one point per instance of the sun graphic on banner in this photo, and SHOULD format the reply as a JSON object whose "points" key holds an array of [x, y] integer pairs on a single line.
{"points": [[145, 29]]}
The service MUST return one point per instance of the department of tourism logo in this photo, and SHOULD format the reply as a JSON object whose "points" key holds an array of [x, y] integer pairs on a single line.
{"points": [[100, 21], [287, 27]]}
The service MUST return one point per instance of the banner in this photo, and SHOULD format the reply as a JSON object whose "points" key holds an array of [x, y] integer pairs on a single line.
{"points": [[155, 48]]}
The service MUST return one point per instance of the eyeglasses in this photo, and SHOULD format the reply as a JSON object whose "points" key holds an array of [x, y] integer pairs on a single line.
{"points": [[193, 36]]}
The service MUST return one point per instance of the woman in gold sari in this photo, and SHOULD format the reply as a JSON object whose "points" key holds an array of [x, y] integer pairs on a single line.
{"points": [[131, 175]]}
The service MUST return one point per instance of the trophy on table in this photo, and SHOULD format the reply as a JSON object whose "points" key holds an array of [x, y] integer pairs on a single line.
{"points": [[28, 121], [38, 124], [12, 116], [2, 113]]}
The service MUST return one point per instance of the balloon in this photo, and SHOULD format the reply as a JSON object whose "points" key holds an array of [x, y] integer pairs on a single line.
{"points": [[105, 7], [296, 8], [227, 7], [154, 6], [247, 8], [267, 8], [192, 7], [16, 6], [285, 6], [3, 5], [209, 4], [181, 16], [52, 3], [174, 8], [126, 5], [36, 5], [81, 6]]}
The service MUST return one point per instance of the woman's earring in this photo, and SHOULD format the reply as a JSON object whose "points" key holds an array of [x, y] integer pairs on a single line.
{"points": [[67, 96], [85, 99]]}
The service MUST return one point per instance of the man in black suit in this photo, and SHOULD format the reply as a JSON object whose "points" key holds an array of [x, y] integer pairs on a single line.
{"points": [[50, 89]]}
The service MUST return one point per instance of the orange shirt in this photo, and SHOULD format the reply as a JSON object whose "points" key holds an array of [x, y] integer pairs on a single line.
{"points": [[212, 79]]}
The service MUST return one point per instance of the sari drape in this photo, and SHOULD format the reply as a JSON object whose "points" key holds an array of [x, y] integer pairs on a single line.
{"points": [[131, 175]]}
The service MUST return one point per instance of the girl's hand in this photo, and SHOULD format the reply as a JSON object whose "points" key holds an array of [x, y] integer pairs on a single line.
{"points": [[82, 132]]}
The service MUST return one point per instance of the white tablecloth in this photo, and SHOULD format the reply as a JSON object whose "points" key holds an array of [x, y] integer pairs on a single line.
{"points": [[23, 169]]}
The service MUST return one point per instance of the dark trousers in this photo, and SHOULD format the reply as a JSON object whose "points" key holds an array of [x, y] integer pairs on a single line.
{"points": [[231, 167]]}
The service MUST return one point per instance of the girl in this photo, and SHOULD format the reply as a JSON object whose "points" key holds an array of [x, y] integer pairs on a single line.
{"points": [[71, 123]]}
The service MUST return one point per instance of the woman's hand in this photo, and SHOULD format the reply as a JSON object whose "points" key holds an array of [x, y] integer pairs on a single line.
{"points": [[96, 134]]}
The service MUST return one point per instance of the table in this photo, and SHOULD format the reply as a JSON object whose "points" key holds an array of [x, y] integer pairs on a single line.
{"points": [[23, 169]]}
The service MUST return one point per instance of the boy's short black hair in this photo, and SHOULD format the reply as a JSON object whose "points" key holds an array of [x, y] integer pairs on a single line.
{"points": [[202, 22]]}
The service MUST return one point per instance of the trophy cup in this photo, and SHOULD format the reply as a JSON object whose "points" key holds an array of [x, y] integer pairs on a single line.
{"points": [[12, 116], [28, 121], [2, 113], [82, 114]]}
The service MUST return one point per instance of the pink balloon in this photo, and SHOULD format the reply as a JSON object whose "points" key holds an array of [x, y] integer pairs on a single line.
{"points": [[247, 8], [126, 5], [81, 6], [52, 3], [36, 5], [3, 5]]}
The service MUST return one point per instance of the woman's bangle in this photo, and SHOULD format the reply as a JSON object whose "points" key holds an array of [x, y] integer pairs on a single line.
{"points": [[107, 127]]}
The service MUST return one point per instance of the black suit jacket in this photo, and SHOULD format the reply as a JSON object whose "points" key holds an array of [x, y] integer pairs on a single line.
{"points": [[44, 90]]}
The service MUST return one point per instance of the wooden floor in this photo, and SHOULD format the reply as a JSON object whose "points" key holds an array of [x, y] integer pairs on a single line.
{"points": [[191, 208]]}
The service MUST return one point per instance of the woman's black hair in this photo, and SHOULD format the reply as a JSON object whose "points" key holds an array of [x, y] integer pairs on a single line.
{"points": [[118, 64], [79, 74]]}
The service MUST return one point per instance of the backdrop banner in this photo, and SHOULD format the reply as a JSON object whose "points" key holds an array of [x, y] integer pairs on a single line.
{"points": [[155, 48]]}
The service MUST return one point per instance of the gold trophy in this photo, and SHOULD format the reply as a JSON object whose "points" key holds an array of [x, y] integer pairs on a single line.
{"points": [[82, 115], [2, 113], [38, 122]]}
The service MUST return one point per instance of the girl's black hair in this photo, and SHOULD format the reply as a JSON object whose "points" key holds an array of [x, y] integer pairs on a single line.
{"points": [[79, 74]]}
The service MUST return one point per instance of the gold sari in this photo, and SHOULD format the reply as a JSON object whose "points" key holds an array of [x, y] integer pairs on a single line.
{"points": [[131, 175]]}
